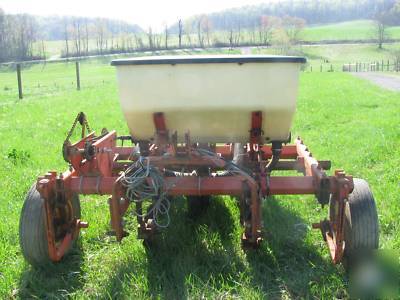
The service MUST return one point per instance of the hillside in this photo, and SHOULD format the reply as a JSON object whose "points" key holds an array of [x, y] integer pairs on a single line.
{"points": [[52, 27], [312, 11], [351, 30]]}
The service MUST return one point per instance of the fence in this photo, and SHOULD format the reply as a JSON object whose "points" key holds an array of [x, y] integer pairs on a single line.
{"points": [[375, 66], [30, 79], [19, 78], [23, 80]]}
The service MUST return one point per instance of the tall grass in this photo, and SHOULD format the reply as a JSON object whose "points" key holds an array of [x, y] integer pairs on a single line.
{"points": [[341, 118]]}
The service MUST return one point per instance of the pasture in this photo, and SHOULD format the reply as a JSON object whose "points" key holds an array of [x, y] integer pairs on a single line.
{"points": [[337, 55], [351, 30], [342, 118]]}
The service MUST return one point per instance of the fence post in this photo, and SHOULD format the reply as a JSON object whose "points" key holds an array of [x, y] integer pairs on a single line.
{"points": [[320, 68], [310, 68], [78, 78], [20, 96], [331, 68]]}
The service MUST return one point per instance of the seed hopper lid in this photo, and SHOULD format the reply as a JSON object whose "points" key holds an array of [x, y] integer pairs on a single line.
{"points": [[207, 59]]}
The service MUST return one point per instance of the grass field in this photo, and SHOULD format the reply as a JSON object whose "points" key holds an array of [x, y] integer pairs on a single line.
{"points": [[341, 118], [337, 55], [352, 30]]}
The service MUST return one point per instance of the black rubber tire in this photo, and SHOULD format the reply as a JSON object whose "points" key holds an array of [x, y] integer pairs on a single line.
{"points": [[32, 233], [361, 220], [197, 205]]}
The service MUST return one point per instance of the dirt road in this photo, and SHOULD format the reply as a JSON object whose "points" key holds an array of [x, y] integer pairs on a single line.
{"points": [[386, 81]]}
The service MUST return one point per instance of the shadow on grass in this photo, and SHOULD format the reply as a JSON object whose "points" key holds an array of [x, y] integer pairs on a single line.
{"points": [[202, 258], [192, 257], [54, 282], [287, 265], [196, 257]]}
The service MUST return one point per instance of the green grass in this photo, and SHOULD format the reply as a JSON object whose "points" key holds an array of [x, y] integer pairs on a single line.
{"points": [[337, 55], [340, 117], [352, 30]]}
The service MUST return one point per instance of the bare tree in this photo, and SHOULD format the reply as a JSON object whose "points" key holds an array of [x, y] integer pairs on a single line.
{"points": [[139, 42], [234, 34], [266, 27], [76, 33], [166, 36], [25, 35], [200, 37], [293, 27], [150, 38], [206, 28], [3, 50], [101, 33], [66, 35], [86, 36], [180, 31], [188, 32], [381, 22]]}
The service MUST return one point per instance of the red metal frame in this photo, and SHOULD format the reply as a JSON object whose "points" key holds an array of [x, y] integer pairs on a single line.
{"points": [[96, 165]]}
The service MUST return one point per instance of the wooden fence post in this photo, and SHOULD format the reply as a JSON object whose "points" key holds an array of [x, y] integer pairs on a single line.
{"points": [[19, 81], [78, 78]]}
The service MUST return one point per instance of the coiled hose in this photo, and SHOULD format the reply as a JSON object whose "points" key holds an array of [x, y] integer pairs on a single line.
{"points": [[139, 190]]}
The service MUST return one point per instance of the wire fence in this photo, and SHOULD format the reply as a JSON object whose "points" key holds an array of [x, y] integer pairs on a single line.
{"points": [[29, 79], [25, 80], [374, 66]]}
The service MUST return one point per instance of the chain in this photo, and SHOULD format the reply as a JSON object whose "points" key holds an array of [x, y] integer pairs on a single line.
{"points": [[81, 118]]}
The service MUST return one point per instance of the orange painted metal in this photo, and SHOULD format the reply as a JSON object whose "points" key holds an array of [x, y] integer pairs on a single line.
{"points": [[98, 163]]}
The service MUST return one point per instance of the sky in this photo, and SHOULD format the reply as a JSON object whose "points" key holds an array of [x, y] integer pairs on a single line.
{"points": [[145, 13]]}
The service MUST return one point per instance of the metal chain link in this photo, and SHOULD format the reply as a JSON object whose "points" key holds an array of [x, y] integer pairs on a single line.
{"points": [[81, 118]]}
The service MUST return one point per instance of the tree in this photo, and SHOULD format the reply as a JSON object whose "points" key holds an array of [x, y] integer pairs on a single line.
{"points": [[101, 34], [76, 33], [206, 28], [200, 37], [150, 38], [180, 31], [66, 35], [25, 35], [267, 25], [86, 36], [3, 51], [293, 26], [166, 36], [380, 29], [188, 32]]}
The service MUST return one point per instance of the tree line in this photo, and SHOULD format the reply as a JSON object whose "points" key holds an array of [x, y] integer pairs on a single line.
{"points": [[23, 36], [17, 35], [312, 11], [280, 23]]}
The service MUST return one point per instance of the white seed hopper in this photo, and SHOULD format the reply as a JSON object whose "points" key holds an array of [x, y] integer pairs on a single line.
{"points": [[212, 97]]}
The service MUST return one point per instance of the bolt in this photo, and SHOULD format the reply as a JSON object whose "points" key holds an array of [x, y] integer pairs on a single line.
{"points": [[82, 224], [44, 181]]}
